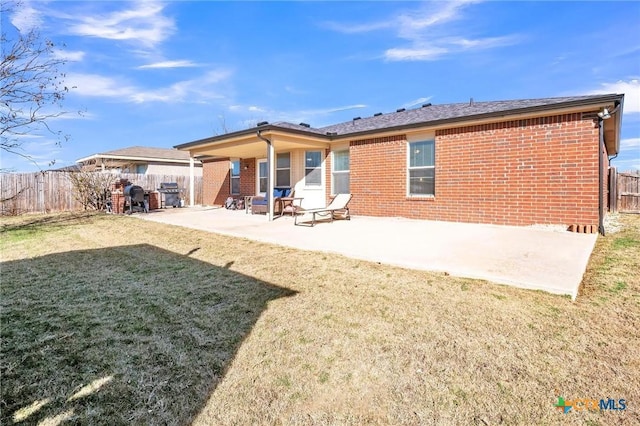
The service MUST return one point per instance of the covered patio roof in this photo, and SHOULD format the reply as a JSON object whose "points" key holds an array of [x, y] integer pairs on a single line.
{"points": [[247, 144]]}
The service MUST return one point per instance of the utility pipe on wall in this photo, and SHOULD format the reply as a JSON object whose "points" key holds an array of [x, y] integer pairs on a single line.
{"points": [[600, 177]]}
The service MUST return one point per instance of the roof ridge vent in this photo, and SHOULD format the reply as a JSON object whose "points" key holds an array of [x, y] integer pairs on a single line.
{"points": [[377, 114], [401, 109], [426, 105], [356, 118], [262, 123], [305, 125]]}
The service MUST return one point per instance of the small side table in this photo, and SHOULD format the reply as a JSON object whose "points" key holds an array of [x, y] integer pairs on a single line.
{"points": [[287, 205]]}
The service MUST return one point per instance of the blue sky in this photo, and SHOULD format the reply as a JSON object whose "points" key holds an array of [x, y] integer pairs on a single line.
{"points": [[165, 73]]}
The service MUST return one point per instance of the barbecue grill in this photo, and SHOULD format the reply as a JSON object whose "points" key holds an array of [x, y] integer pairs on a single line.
{"points": [[170, 194], [134, 197]]}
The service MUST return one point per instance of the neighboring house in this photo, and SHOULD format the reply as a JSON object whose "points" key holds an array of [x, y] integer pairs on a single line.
{"points": [[74, 168], [142, 160], [518, 162]]}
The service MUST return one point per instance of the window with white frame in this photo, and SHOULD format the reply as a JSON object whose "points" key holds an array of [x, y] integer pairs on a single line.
{"points": [[421, 170], [313, 168], [263, 176], [341, 173], [283, 169], [235, 177]]}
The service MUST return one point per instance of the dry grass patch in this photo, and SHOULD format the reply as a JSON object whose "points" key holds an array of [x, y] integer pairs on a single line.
{"points": [[179, 326]]}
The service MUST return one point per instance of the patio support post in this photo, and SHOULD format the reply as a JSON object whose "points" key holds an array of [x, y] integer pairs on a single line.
{"points": [[191, 181], [270, 175], [271, 179]]}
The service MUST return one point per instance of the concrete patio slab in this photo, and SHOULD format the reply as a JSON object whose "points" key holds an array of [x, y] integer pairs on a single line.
{"points": [[541, 258]]}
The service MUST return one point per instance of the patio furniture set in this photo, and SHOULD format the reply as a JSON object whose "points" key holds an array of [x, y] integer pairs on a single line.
{"points": [[285, 202]]}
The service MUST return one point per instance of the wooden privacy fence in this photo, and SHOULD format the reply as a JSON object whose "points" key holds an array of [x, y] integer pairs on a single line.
{"points": [[625, 192], [45, 192]]}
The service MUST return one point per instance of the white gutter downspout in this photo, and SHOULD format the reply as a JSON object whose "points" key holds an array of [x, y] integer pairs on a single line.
{"points": [[191, 181], [270, 176]]}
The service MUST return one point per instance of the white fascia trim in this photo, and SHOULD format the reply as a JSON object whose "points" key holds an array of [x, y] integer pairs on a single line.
{"points": [[128, 158]]}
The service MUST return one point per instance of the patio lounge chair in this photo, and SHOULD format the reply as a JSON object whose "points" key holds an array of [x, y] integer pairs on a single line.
{"points": [[337, 207], [259, 204]]}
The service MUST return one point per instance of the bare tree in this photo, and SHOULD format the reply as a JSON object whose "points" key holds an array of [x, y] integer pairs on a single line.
{"points": [[31, 85], [91, 189]]}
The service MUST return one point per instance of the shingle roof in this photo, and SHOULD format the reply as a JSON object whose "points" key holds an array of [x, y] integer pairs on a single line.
{"points": [[291, 126], [430, 115], [149, 152], [448, 112]]}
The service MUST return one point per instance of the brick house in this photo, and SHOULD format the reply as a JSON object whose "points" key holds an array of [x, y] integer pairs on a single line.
{"points": [[518, 162]]}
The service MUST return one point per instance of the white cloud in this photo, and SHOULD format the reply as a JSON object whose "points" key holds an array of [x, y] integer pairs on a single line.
{"points": [[418, 101], [357, 28], [631, 90], [624, 165], [169, 64], [143, 24], [408, 23], [76, 115], [415, 54], [295, 91], [630, 143], [412, 25], [336, 109], [199, 89], [427, 35], [314, 116], [99, 86], [33, 154], [484, 43], [25, 17], [73, 56]]}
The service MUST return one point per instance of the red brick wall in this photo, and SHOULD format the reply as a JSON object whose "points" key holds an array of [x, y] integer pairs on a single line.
{"points": [[522, 172], [248, 176], [215, 179], [377, 176]]}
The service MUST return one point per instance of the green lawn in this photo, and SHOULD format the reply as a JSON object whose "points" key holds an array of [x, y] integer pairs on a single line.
{"points": [[113, 320]]}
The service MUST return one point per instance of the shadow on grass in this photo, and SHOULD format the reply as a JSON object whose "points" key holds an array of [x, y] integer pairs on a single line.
{"points": [[27, 225], [124, 335]]}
